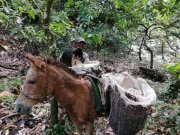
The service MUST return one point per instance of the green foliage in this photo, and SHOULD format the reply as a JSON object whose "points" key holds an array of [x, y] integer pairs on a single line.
{"points": [[165, 120], [60, 23], [30, 33], [173, 69], [64, 127], [10, 84], [9, 101], [3, 18], [105, 52], [174, 88], [14, 83], [2, 86], [107, 25], [96, 38], [96, 21]]}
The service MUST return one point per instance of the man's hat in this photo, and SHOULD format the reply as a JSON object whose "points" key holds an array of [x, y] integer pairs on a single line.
{"points": [[80, 39]]}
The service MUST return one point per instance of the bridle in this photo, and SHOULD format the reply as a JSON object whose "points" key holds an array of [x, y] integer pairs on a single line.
{"points": [[41, 99], [44, 98]]}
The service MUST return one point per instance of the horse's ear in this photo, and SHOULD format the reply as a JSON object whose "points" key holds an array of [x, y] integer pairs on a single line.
{"points": [[36, 62]]}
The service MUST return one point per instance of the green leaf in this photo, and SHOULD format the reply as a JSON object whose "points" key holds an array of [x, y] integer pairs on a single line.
{"points": [[90, 35], [32, 13], [117, 3], [173, 69], [179, 76], [3, 16], [97, 38]]}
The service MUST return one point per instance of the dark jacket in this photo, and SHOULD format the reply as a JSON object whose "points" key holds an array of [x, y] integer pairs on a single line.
{"points": [[68, 53], [66, 57]]}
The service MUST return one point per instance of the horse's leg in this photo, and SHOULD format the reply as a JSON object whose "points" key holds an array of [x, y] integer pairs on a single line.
{"points": [[79, 128], [89, 128]]}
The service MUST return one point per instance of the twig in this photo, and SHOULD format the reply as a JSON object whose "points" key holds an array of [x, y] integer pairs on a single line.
{"points": [[2, 48], [8, 67], [10, 115], [10, 126]]}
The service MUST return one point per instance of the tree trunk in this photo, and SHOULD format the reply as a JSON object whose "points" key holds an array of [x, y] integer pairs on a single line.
{"points": [[50, 41], [50, 36], [162, 49], [152, 60], [140, 49], [151, 53]]}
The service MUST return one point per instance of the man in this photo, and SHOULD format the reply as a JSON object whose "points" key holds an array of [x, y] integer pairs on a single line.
{"points": [[73, 56]]}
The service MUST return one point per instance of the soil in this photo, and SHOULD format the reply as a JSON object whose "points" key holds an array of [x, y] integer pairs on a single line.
{"points": [[13, 64]]}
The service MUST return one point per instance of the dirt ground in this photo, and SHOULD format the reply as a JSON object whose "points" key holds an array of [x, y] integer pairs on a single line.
{"points": [[12, 64]]}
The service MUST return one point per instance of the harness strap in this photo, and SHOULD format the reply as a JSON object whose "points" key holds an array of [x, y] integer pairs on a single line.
{"points": [[97, 95], [41, 99]]}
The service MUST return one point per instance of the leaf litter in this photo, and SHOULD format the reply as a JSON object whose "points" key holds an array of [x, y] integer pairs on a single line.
{"points": [[12, 123]]}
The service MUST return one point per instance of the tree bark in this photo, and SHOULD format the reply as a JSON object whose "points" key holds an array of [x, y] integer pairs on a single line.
{"points": [[162, 49], [140, 49], [50, 36], [151, 54]]}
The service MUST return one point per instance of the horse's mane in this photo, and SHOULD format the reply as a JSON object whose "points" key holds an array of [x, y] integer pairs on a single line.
{"points": [[59, 64]]}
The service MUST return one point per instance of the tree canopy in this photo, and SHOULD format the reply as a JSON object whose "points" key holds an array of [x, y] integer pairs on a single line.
{"points": [[105, 24]]}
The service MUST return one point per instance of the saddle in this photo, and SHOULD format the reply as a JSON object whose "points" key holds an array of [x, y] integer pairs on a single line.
{"points": [[102, 98]]}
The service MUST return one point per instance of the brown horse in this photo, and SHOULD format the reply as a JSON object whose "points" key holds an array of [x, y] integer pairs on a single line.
{"points": [[48, 78]]}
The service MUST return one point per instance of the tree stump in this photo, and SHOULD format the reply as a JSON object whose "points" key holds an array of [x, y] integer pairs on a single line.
{"points": [[153, 74]]}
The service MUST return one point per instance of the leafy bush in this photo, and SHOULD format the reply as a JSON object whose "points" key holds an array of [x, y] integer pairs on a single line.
{"points": [[14, 83], [165, 119], [2, 86], [173, 69], [174, 87], [10, 84], [64, 127], [8, 101]]}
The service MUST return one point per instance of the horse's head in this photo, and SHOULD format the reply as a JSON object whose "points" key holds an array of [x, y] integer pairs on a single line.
{"points": [[35, 85]]}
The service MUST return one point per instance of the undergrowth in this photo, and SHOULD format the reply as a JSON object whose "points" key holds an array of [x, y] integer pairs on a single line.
{"points": [[64, 127], [10, 84]]}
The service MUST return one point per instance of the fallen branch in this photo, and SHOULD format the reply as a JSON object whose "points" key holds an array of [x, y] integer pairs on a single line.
{"points": [[153, 74], [2, 48], [2, 66], [10, 115]]}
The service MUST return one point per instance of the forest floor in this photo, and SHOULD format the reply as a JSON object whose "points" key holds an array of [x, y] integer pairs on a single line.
{"points": [[12, 64]]}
